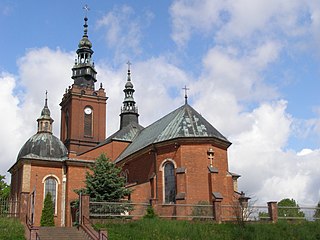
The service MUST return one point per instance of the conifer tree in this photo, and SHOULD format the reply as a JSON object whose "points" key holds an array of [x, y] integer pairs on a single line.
{"points": [[316, 215], [47, 217], [104, 182]]}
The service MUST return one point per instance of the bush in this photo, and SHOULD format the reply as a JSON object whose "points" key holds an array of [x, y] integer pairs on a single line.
{"points": [[150, 213]]}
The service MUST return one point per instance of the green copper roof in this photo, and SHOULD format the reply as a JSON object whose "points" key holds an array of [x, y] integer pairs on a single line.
{"points": [[184, 122]]}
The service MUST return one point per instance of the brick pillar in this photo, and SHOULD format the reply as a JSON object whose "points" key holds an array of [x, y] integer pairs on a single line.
{"points": [[273, 211], [217, 212], [24, 200], [84, 207]]}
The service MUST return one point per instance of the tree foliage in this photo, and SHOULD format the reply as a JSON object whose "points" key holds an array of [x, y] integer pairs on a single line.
{"points": [[4, 187], [104, 182], [47, 217], [289, 208], [316, 215]]}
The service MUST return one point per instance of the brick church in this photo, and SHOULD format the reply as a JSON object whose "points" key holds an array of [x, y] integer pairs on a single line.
{"points": [[181, 158]]}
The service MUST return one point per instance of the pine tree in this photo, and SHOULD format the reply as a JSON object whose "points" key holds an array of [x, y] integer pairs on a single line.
{"points": [[316, 215], [104, 182], [47, 217]]}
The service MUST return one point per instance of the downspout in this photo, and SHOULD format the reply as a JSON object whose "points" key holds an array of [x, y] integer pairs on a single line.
{"points": [[155, 168]]}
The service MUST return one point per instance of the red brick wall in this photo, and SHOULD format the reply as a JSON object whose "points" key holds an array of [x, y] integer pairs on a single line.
{"points": [[37, 175], [112, 151], [197, 182]]}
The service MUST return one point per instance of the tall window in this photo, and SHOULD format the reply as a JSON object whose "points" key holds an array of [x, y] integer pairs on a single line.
{"points": [[169, 183], [88, 121], [50, 185]]}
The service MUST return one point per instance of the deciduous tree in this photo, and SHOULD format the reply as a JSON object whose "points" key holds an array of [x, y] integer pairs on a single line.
{"points": [[289, 208]]}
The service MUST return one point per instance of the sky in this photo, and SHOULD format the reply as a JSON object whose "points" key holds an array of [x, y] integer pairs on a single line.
{"points": [[252, 68]]}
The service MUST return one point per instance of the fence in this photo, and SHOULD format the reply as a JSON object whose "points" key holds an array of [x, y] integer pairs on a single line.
{"points": [[9, 208], [220, 213], [237, 212], [138, 210], [304, 213]]}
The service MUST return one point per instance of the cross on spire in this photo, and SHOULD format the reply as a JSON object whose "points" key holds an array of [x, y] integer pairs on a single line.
{"points": [[186, 93], [129, 64], [86, 9], [46, 100]]}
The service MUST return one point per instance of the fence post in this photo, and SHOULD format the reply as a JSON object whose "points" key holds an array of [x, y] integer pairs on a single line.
{"points": [[273, 211], [217, 212], [84, 207]]}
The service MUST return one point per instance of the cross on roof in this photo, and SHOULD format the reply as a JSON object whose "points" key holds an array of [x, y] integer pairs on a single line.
{"points": [[186, 93]]}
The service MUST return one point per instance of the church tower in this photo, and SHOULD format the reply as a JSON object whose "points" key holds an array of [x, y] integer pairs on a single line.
{"points": [[83, 108], [129, 111]]}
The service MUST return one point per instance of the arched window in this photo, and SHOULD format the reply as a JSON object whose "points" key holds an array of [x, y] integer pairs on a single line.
{"points": [[88, 114], [50, 185], [169, 183]]}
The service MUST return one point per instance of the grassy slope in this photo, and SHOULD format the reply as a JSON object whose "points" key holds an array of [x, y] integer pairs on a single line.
{"points": [[165, 229], [11, 229]]}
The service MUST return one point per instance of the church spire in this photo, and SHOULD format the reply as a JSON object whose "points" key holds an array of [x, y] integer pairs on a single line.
{"points": [[45, 121], [83, 71], [129, 110]]}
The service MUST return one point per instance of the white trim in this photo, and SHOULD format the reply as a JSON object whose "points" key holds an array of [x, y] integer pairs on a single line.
{"points": [[165, 161], [50, 175]]}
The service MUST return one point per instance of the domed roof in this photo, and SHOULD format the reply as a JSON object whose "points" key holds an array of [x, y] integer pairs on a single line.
{"points": [[129, 84], [85, 43], [45, 146]]}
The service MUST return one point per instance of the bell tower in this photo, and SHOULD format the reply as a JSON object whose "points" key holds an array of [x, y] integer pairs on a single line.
{"points": [[83, 107]]}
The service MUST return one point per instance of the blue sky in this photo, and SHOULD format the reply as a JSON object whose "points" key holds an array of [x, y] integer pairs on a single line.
{"points": [[252, 69]]}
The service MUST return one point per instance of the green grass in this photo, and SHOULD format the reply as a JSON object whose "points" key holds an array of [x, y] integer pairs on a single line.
{"points": [[11, 229], [157, 229]]}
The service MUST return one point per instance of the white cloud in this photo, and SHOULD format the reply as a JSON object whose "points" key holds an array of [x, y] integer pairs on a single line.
{"points": [[122, 27], [11, 122]]}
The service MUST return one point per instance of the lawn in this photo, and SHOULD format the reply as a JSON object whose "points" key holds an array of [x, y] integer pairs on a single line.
{"points": [[157, 229], [11, 229]]}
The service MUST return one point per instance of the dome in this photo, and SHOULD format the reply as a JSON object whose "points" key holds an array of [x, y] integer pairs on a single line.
{"points": [[43, 145], [129, 84], [85, 43]]}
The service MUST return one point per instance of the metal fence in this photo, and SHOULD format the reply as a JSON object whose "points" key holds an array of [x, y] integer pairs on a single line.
{"points": [[117, 209], [308, 213], [237, 212], [9, 208], [233, 213], [138, 210], [186, 211]]}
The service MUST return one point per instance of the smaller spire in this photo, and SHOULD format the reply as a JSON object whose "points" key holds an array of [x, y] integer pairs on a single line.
{"points": [[186, 94], [45, 121]]}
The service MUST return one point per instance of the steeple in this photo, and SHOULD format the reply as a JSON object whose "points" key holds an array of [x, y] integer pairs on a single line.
{"points": [[129, 111], [45, 121], [83, 71]]}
